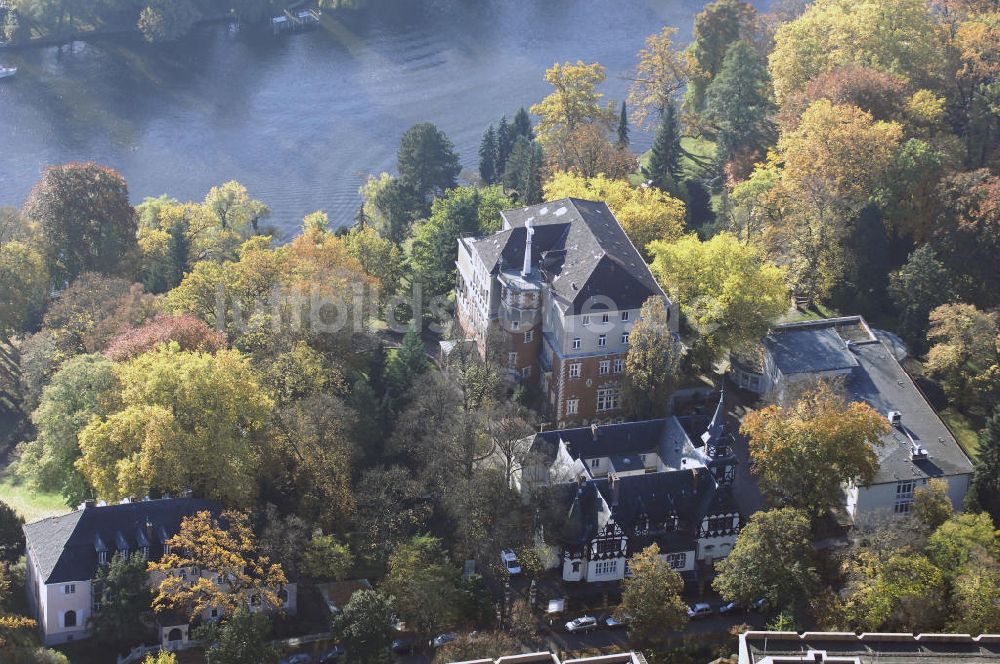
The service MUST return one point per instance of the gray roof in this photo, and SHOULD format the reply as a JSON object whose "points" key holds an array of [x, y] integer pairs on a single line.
{"points": [[579, 249], [871, 648], [64, 548], [875, 377]]}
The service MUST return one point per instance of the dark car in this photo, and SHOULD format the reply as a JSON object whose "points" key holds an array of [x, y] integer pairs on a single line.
{"points": [[331, 656], [759, 604], [729, 607], [442, 639], [404, 645]]}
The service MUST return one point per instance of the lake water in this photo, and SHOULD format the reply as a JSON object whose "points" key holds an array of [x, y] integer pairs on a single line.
{"points": [[302, 119]]}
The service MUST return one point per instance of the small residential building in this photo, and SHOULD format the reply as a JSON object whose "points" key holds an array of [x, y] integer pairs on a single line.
{"points": [[605, 492], [64, 553], [847, 353], [556, 292], [870, 648]]}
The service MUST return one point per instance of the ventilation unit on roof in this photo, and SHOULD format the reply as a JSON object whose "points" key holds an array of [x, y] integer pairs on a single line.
{"points": [[895, 418], [918, 452]]}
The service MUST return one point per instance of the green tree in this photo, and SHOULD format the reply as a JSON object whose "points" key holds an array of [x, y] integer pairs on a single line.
{"points": [[243, 638], [185, 420], [716, 28], [664, 167], [623, 127], [932, 504], [505, 143], [965, 355], [522, 125], [364, 628], [652, 597], [728, 291], [86, 221], [426, 160], [738, 106], [957, 541], [805, 453], [488, 156], [985, 490], [975, 597], [232, 206], [652, 365], [917, 288], [80, 390], [523, 171], [904, 593], [121, 591], [325, 558], [405, 365], [773, 558], [424, 585], [24, 287], [11, 535], [167, 20], [391, 206]]}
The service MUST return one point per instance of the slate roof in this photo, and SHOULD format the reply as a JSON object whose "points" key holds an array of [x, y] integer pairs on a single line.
{"points": [[64, 548], [622, 439], [875, 378], [579, 248]]}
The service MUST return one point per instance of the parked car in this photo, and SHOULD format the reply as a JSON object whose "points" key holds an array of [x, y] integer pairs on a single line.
{"points": [[581, 624], [729, 607], [759, 604], [331, 656], [404, 645], [299, 658], [509, 560], [611, 622], [699, 610], [442, 639]]}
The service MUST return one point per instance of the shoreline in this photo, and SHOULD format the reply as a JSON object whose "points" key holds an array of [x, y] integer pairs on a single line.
{"points": [[96, 35]]}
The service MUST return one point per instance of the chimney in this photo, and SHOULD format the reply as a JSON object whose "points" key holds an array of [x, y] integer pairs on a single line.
{"points": [[615, 488], [90, 502], [149, 531], [528, 231], [593, 430]]}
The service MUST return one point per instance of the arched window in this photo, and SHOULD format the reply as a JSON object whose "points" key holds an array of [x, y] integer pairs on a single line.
{"points": [[69, 619], [175, 634]]}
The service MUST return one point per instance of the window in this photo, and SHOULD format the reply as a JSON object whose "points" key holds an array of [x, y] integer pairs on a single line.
{"points": [[677, 560], [619, 365], [515, 325], [102, 557], [602, 341], [903, 507], [605, 567], [576, 343], [529, 336], [717, 523], [624, 337], [215, 612], [526, 372], [606, 546], [904, 489], [642, 459], [586, 320], [283, 597], [624, 316], [145, 553], [576, 566], [512, 359], [572, 406], [607, 398], [69, 589], [604, 367], [69, 619], [574, 370], [605, 318], [595, 463]]}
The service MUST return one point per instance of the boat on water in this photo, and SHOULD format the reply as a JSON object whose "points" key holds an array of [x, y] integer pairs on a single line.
{"points": [[7, 72]]}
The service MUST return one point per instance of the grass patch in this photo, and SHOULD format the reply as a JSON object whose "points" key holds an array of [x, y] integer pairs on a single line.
{"points": [[961, 426], [816, 312], [32, 505], [699, 147]]}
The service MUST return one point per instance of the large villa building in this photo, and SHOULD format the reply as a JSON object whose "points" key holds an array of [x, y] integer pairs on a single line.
{"points": [[556, 292]]}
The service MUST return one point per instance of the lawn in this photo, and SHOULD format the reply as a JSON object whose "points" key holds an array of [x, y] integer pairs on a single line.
{"points": [[699, 147], [963, 430], [32, 505]]}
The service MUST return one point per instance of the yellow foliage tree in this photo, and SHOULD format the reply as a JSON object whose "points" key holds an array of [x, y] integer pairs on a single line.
{"points": [[646, 213], [214, 563], [805, 453], [659, 75], [575, 101]]}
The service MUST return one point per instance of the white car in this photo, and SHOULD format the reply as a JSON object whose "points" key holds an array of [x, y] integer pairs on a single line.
{"points": [[509, 560], [581, 624], [699, 610]]}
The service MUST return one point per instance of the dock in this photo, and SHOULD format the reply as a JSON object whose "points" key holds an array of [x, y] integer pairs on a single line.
{"points": [[295, 21]]}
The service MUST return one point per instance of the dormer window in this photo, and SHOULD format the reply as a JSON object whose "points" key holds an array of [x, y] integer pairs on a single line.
{"points": [[102, 557], [605, 318], [624, 316], [586, 320]]}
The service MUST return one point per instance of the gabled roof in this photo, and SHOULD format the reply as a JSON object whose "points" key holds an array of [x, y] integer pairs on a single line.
{"points": [[578, 248], [64, 548]]}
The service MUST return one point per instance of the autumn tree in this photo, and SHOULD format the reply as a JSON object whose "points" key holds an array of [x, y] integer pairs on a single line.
{"points": [[364, 627], [958, 541], [905, 592], [86, 221], [243, 638], [24, 287], [423, 585], [575, 101], [772, 559], [185, 420], [326, 558], [235, 209], [652, 365], [588, 150], [426, 160], [805, 453], [716, 28], [965, 355], [82, 389], [187, 331], [660, 73], [379, 257], [651, 597], [728, 291], [234, 575], [645, 214], [932, 505], [392, 506]]}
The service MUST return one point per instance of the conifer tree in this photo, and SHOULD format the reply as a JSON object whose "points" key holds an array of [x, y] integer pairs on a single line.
{"points": [[623, 127], [664, 163], [986, 481], [405, 365], [505, 143], [522, 125], [488, 156]]}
